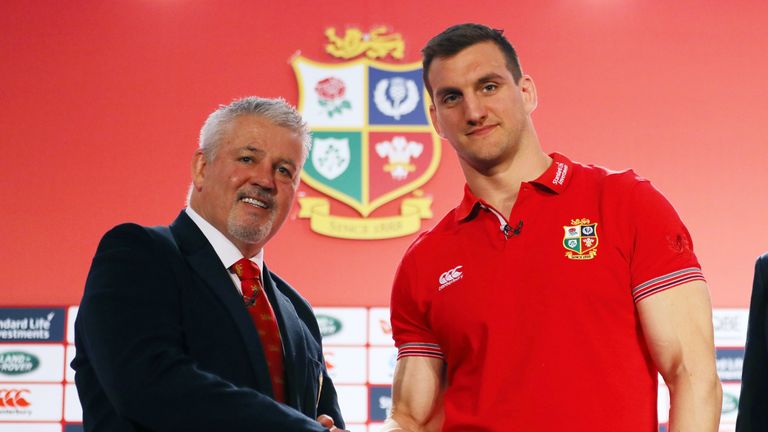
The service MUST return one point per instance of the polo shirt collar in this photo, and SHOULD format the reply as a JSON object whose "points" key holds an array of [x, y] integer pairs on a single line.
{"points": [[555, 179]]}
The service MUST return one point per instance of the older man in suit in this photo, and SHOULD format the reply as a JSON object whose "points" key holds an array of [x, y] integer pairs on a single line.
{"points": [[753, 402], [182, 328]]}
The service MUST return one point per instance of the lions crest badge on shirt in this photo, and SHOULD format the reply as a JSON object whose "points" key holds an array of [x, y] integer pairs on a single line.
{"points": [[580, 239]]}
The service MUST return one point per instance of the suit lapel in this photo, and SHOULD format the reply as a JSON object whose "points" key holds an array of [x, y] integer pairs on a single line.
{"points": [[204, 261], [294, 345]]}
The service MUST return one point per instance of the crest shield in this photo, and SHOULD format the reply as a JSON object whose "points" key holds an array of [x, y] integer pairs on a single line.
{"points": [[372, 143], [580, 239]]}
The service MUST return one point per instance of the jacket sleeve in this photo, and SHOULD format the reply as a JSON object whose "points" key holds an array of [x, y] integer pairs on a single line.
{"points": [[753, 415], [128, 327]]}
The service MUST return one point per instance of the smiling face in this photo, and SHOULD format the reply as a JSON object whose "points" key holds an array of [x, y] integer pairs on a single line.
{"points": [[247, 189], [479, 108]]}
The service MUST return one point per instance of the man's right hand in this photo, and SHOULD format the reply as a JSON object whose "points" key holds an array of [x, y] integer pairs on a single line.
{"points": [[327, 422]]}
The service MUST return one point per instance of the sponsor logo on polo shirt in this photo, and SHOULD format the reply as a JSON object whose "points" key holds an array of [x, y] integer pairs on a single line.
{"points": [[562, 170], [17, 363], [450, 277], [328, 325], [580, 239]]}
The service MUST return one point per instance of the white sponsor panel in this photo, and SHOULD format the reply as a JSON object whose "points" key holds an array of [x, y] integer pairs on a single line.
{"points": [[357, 428], [379, 327], [70, 373], [31, 363], [353, 401], [346, 365], [731, 394], [71, 315], [381, 364], [73, 411], [30, 427], [30, 402], [730, 326], [342, 326], [727, 428], [662, 403]]}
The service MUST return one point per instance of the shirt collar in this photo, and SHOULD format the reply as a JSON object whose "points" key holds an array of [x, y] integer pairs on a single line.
{"points": [[555, 179], [227, 252]]}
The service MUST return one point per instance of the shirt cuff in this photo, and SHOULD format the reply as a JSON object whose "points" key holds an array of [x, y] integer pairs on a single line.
{"points": [[665, 282], [419, 349]]}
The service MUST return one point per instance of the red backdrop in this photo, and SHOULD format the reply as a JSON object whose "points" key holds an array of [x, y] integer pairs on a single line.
{"points": [[101, 103]]}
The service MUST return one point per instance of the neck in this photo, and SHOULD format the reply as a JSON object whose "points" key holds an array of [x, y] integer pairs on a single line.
{"points": [[499, 185]]}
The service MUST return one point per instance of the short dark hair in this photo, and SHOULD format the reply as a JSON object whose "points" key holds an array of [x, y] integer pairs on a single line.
{"points": [[458, 37]]}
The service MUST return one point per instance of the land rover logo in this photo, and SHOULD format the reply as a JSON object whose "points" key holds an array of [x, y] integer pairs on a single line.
{"points": [[730, 403], [328, 325], [17, 363]]}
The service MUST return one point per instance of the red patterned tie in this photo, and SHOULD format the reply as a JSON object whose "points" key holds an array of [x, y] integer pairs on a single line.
{"points": [[263, 317]]}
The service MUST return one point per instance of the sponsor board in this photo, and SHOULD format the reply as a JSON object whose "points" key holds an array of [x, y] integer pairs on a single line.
{"points": [[662, 403], [379, 327], [31, 363], [30, 402], [352, 401], [73, 411], [730, 410], [380, 402], [356, 428], [729, 364], [342, 326], [71, 316], [730, 326], [31, 324], [346, 365], [381, 364], [31, 427], [70, 373], [73, 428]]}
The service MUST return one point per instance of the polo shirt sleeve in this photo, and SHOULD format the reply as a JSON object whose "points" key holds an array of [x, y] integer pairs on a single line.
{"points": [[662, 250], [409, 315]]}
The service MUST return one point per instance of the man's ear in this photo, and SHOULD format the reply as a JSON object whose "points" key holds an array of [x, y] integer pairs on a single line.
{"points": [[433, 116], [199, 163], [528, 92]]}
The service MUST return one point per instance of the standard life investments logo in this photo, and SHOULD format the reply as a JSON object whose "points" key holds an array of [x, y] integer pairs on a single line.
{"points": [[372, 141]]}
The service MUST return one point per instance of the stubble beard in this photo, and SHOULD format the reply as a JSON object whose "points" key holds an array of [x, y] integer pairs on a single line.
{"points": [[249, 231]]}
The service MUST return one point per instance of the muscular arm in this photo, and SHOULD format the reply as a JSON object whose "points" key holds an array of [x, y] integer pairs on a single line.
{"points": [[677, 324], [417, 395]]}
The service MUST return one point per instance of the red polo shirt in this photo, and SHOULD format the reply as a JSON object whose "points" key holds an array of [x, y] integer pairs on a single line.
{"points": [[534, 314]]}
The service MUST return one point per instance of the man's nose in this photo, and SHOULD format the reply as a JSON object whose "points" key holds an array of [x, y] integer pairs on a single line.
{"points": [[474, 110], [263, 175]]}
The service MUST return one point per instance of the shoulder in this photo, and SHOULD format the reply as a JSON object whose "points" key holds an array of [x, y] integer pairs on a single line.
{"points": [[623, 180], [444, 231], [762, 263], [300, 304]]}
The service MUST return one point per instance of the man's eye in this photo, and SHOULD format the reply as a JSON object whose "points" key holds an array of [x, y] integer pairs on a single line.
{"points": [[285, 171], [450, 99], [490, 87], [246, 159]]}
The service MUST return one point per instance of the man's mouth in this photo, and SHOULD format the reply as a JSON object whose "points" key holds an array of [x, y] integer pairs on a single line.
{"points": [[255, 202], [482, 130]]}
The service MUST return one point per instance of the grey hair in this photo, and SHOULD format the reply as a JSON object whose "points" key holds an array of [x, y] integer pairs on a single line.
{"points": [[278, 111]]}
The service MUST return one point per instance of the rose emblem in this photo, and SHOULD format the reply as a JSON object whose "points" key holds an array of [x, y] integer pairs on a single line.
{"points": [[331, 92], [330, 88]]}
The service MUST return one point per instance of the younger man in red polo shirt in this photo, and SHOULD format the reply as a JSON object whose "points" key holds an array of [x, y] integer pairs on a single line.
{"points": [[554, 294]]}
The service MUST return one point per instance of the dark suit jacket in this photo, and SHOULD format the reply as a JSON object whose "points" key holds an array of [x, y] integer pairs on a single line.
{"points": [[753, 402], [164, 342]]}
